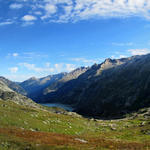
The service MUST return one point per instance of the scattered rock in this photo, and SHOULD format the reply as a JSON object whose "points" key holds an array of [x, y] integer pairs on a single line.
{"points": [[81, 140], [113, 126], [32, 129], [146, 132], [142, 124], [3, 105]]}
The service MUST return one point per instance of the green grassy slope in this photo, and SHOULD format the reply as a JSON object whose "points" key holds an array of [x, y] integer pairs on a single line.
{"points": [[23, 128]]}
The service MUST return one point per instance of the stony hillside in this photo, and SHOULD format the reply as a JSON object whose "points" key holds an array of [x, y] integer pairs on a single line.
{"points": [[28, 128], [8, 94], [14, 86]]}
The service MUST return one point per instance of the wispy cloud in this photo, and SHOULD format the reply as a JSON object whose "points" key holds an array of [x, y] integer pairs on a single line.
{"points": [[6, 23], [49, 69], [118, 56], [12, 55], [130, 52], [139, 51], [33, 67], [16, 6], [18, 77], [76, 10], [28, 18], [13, 69], [26, 55], [84, 60], [15, 54]]}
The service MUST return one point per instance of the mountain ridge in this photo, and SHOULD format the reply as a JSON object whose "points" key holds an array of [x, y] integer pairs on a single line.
{"points": [[113, 88]]}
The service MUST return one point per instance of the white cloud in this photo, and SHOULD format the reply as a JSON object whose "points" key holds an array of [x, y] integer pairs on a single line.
{"points": [[6, 23], [76, 10], [28, 18], [107, 8], [64, 67], [13, 69], [38, 12], [139, 51], [31, 67], [84, 60], [16, 6], [15, 54], [56, 68], [118, 56], [12, 55], [70, 67], [50, 9], [18, 78], [123, 56], [130, 52]]}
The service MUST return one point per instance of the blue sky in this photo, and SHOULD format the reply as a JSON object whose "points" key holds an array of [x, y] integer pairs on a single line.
{"points": [[42, 37]]}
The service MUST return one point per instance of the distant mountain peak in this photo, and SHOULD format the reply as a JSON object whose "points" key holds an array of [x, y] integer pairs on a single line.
{"points": [[33, 78], [108, 60]]}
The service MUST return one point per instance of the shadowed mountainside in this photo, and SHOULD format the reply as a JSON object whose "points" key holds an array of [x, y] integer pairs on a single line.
{"points": [[112, 88], [69, 91], [40, 89], [35, 86]]}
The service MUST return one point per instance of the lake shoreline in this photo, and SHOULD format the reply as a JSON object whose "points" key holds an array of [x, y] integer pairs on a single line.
{"points": [[59, 105]]}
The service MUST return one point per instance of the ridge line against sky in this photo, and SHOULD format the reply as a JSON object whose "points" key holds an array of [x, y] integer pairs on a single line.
{"points": [[42, 37]]}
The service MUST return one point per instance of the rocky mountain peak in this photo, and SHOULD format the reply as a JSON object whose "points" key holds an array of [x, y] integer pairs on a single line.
{"points": [[32, 78], [108, 60]]}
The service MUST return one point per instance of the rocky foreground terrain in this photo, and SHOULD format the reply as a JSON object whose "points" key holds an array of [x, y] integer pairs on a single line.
{"points": [[32, 128]]}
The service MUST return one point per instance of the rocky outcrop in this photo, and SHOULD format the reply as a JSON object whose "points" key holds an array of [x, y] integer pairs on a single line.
{"points": [[8, 94], [14, 86]]}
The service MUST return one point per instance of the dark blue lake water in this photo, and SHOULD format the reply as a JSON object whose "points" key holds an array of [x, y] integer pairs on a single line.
{"points": [[66, 107]]}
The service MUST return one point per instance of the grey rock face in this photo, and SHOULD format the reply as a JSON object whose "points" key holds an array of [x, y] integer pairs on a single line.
{"points": [[14, 86], [8, 94]]}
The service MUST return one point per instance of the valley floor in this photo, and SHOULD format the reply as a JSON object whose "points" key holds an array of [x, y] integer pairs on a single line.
{"points": [[27, 128]]}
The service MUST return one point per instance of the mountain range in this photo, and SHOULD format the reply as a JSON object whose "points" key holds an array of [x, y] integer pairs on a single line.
{"points": [[35, 86], [113, 88]]}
